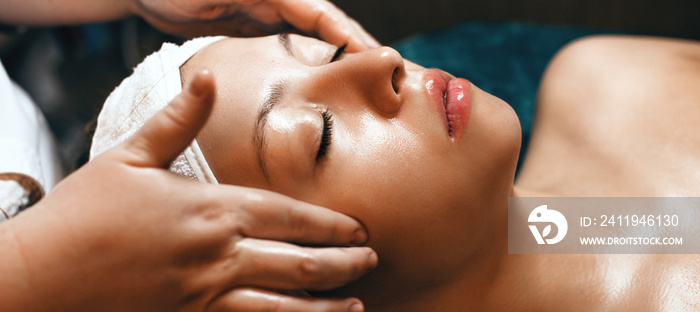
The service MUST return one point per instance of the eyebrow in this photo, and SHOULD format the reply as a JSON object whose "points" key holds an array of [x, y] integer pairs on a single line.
{"points": [[272, 100], [286, 43]]}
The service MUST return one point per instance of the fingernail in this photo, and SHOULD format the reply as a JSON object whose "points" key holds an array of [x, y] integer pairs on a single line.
{"points": [[196, 87], [373, 260], [356, 307], [359, 237]]}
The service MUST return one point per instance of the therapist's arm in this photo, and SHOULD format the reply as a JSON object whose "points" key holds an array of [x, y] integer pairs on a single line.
{"points": [[61, 12], [192, 18], [124, 234]]}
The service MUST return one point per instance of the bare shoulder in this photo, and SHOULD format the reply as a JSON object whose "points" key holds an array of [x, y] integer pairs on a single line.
{"points": [[681, 288], [602, 71], [601, 50], [650, 282], [615, 109]]}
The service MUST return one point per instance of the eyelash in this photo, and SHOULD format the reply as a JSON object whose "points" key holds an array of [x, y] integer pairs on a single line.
{"points": [[326, 135], [338, 53]]}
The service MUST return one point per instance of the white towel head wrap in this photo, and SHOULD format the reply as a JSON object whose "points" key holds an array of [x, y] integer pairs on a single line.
{"points": [[154, 83]]}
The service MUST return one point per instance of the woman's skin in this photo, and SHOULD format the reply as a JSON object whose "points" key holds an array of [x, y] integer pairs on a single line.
{"points": [[441, 230], [620, 116], [90, 244]]}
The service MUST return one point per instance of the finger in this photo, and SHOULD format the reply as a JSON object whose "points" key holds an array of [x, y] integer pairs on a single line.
{"points": [[277, 265], [368, 39], [247, 2], [172, 129], [269, 215], [324, 19], [254, 300]]}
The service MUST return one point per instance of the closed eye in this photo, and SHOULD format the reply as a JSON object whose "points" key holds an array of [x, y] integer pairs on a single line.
{"points": [[338, 53], [326, 135]]}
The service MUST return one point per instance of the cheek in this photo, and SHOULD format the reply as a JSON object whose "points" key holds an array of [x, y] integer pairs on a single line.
{"points": [[410, 197], [383, 162], [420, 200]]}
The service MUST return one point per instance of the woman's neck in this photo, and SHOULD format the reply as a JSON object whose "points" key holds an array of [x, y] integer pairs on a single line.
{"points": [[469, 287], [493, 280]]}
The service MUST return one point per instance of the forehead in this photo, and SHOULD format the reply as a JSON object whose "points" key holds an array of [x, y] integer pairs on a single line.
{"points": [[242, 69], [245, 71], [241, 66]]}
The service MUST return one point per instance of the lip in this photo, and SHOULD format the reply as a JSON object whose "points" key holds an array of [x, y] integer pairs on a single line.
{"points": [[452, 99]]}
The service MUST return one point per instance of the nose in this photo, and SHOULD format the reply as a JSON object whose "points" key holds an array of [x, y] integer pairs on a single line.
{"points": [[372, 77]]}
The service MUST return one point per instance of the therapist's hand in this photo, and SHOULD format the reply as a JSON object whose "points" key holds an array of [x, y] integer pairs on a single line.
{"points": [[318, 18], [125, 234]]}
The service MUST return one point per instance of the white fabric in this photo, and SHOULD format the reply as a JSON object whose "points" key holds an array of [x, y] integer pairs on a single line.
{"points": [[154, 83], [13, 197], [27, 145]]}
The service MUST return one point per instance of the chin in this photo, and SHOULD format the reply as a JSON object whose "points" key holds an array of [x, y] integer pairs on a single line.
{"points": [[512, 133], [510, 139], [498, 134]]}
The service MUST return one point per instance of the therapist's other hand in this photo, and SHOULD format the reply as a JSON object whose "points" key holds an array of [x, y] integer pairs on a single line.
{"points": [[318, 18], [125, 234]]}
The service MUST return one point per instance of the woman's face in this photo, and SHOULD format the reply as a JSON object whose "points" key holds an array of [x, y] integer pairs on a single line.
{"points": [[367, 135]]}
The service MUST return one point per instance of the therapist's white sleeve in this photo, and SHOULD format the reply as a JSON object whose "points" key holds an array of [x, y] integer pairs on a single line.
{"points": [[30, 163]]}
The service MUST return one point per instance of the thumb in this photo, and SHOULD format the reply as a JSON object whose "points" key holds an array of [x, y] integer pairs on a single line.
{"points": [[172, 129]]}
